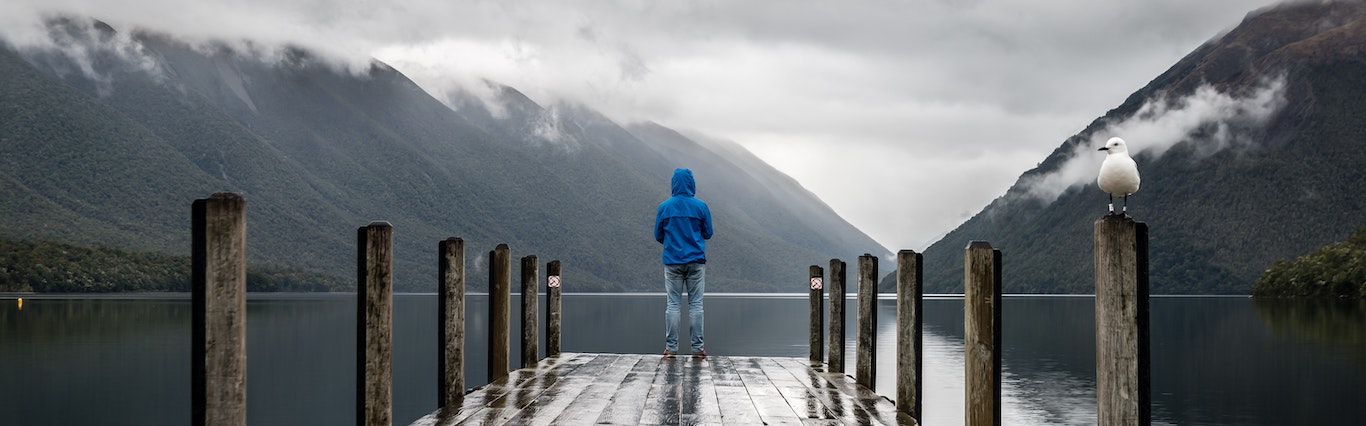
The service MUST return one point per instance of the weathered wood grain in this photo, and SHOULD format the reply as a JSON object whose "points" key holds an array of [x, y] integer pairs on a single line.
{"points": [[219, 299], [374, 340], [552, 308], [909, 324], [835, 352], [450, 367], [1123, 392], [816, 287], [531, 281], [865, 367], [982, 333], [500, 307]]}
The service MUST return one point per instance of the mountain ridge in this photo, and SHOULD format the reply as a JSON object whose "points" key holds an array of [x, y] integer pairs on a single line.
{"points": [[1206, 235], [318, 152]]}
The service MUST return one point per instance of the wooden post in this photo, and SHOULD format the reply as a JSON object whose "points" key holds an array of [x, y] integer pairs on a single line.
{"points": [[1123, 391], [219, 285], [835, 350], [982, 340], [552, 308], [816, 342], [531, 282], [909, 323], [374, 331], [450, 365], [866, 365], [500, 311]]}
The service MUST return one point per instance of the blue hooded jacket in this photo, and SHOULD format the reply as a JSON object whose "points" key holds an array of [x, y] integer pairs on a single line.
{"points": [[683, 223]]}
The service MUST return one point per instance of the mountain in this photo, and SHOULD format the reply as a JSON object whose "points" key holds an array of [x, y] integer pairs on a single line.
{"points": [[107, 136], [1249, 147]]}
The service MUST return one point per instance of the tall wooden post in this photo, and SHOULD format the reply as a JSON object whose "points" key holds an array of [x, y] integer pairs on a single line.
{"points": [[909, 324], [552, 308], [531, 282], [450, 365], [816, 342], [835, 355], [374, 331], [500, 311], [218, 279], [865, 369], [982, 340], [1123, 391]]}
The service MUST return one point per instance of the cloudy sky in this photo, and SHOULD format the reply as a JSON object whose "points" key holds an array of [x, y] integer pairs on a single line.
{"points": [[938, 104]]}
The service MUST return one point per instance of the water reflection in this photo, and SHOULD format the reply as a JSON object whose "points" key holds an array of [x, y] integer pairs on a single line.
{"points": [[1215, 361], [1048, 374], [1336, 325]]}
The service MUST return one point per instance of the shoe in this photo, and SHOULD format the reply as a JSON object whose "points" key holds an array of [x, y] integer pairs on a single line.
{"points": [[669, 353], [701, 353]]}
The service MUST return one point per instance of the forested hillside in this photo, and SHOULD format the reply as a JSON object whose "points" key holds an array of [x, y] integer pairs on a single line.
{"points": [[1334, 270], [109, 137], [46, 267]]}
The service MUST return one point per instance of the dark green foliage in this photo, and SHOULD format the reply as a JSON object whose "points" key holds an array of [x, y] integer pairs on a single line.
{"points": [[1335, 270], [47, 267]]}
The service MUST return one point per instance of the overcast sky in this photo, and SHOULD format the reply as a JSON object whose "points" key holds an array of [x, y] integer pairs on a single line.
{"points": [[937, 105]]}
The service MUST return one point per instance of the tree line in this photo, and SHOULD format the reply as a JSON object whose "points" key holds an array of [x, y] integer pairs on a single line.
{"points": [[1334, 270], [51, 267]]}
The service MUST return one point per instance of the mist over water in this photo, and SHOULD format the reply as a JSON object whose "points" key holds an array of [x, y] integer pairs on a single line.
{"points": [[1217, 361]]}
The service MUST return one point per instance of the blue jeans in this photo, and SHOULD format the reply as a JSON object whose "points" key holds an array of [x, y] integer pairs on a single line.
{"points": [[691, 278]]}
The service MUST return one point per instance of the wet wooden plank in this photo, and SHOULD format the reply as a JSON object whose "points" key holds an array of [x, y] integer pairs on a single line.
{"points": [[773, 408], [504, 397], [651, 390], [840, 404], [846, 398], [732, 400], [698, 404], [593, 400], [800, 397], [662, 406], [564, 391], [628, 403]]}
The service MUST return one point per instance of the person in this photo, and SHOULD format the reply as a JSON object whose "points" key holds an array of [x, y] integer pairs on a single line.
{"points": [[682, 225]]}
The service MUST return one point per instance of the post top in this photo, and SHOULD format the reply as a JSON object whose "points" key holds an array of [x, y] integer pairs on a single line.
{"points": [[979, 244], [379, 224], [1117, 218], [232, 196], [906, 251]]}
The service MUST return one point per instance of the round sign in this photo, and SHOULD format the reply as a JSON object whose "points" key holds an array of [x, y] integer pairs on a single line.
{"points": [[553, 281], [815, 283]]}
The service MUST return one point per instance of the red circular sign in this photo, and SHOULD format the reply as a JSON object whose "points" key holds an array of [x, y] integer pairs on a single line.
{"points": [[815, 283], [553, 281]]}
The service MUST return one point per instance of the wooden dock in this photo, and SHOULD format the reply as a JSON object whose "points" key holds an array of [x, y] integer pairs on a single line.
{"points": [[623, 389], [652, 389]]}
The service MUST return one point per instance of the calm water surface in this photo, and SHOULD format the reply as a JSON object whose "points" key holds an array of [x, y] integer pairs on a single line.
{"points": [[124, 360]]}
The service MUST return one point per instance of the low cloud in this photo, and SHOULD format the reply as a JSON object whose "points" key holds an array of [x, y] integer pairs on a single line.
{"points": [[1212, 119], [915, 83], [85, 47]]}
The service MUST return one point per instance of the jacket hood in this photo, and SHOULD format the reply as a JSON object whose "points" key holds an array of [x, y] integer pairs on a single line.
{"points": [[683, 183]]}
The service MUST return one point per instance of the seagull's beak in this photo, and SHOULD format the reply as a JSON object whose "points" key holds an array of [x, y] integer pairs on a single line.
{"points": [[1103, 148]]}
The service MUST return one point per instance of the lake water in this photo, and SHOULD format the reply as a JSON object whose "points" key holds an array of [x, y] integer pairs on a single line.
{"points": [[125, 360]]}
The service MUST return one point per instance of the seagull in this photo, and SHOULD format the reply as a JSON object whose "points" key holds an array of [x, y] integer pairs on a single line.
{"points": [[1119, 173]]}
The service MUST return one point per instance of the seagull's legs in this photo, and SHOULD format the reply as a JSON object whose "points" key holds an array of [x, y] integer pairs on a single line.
{"points": [[1126, 203], [1112, 202]]}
